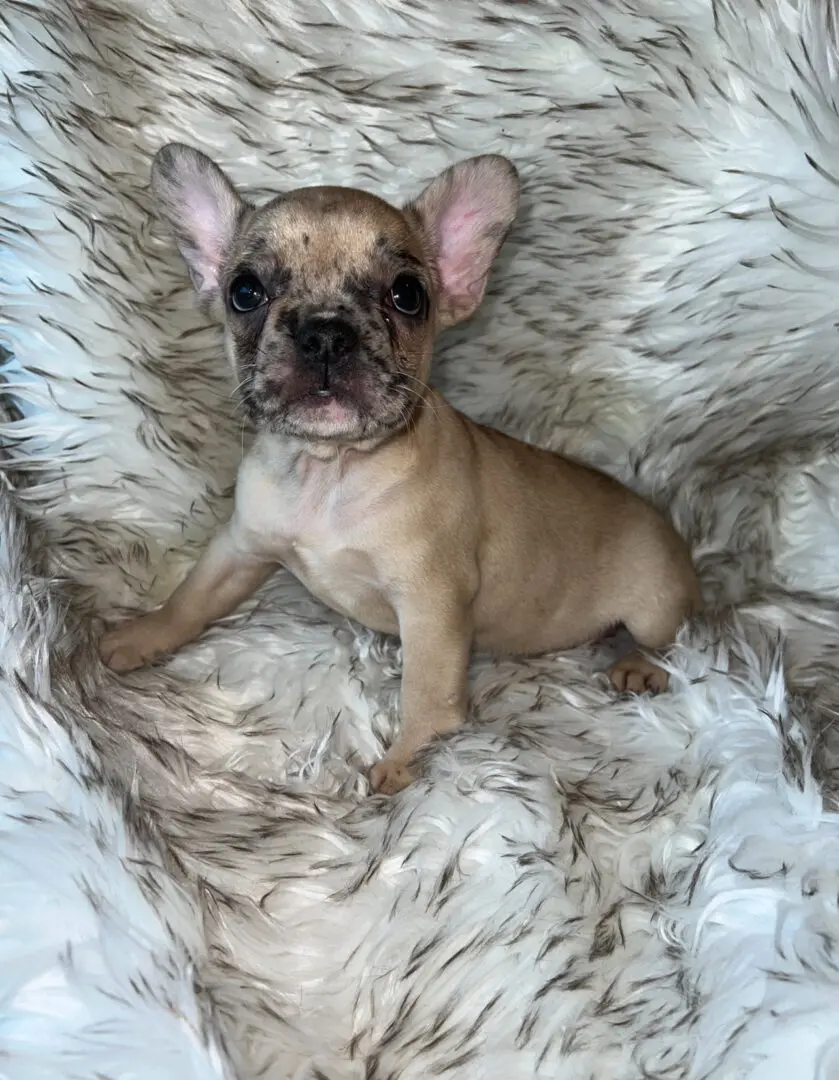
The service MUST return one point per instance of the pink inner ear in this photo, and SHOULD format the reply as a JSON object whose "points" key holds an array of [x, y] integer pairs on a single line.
{"points": [[463, 259], [207, 229]]}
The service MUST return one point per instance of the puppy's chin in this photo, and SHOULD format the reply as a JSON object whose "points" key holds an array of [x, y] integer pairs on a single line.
{"points": [[324, 419], [329, 419]]}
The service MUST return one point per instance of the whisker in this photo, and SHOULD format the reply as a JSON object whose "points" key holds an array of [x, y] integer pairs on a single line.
{"points": [[239, 386], [423, 401], [420, 394]]}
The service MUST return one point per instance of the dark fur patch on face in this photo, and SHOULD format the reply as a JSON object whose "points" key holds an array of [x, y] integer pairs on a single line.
{"points": [[398, 254], [260, 259], [329, 253]]}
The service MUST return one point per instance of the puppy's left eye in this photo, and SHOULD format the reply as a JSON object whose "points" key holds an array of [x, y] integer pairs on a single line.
{"points": [[246, 293], [407, 294]]}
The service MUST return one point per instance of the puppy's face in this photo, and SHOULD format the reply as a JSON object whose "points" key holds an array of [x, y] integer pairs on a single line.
{"points": [[329, 307], [330, 297]]}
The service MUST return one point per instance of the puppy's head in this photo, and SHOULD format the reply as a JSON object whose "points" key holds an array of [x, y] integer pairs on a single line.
{"points": [[331, 297]]}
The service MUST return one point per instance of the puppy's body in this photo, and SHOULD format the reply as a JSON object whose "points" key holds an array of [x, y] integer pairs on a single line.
{"points": [[388, 504], [546, 552]]}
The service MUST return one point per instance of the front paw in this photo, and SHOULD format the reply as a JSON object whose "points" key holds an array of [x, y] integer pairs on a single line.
{"points": [[135, 643], [389, 776]]}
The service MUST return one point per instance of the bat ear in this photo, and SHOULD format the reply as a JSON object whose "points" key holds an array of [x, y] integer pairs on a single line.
{"points": [[464, 216], [202, 208]]}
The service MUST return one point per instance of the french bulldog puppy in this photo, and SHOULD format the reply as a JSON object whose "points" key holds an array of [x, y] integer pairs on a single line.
{"points": [[388, 504]]}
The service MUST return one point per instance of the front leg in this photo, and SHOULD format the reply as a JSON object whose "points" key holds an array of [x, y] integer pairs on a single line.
{"points": [[224, 576], [436, 643]]}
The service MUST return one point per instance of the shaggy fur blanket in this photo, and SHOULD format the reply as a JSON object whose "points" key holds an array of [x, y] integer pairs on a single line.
{"points": [[194, 881]]}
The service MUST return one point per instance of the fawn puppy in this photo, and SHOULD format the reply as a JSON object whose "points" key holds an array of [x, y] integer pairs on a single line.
{"points": [[388, 504]]}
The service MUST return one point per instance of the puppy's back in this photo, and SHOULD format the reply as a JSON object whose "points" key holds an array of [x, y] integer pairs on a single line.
{"points": [[567, 552]]}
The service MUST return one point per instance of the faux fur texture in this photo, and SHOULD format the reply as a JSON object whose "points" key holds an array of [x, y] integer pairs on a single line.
{"points": [[193, 879]]}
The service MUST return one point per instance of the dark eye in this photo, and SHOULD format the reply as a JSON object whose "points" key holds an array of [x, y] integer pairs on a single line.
{"points": [[407, 295], [246, 293]]}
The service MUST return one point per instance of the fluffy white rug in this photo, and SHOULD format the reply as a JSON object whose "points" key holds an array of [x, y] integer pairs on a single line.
{"points": [[193, 880]]}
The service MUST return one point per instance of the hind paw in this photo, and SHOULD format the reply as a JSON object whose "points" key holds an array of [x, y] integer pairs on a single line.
{"points": [[634, 674]]}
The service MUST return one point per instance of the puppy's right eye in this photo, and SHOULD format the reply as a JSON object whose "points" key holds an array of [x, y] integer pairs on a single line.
{"points": [[246, 293], [408, 295]]}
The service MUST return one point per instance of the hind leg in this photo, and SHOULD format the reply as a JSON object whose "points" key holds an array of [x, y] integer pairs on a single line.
{"points": [[654, 628]]}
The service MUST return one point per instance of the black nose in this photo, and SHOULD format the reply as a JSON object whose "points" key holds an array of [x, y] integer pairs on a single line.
{"points": [[325, 339]]}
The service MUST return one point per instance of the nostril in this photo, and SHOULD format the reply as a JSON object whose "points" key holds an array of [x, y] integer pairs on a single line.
{"points": [[309, 342], [344, 336]]}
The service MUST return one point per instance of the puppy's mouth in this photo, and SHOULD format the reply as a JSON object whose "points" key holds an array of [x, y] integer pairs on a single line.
{"points": [[330, 392], [328, 411], [332, 405]]}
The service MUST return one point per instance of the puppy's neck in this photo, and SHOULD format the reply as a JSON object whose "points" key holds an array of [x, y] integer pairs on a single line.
{"points": [[284, 455], [290, 453], [333, 451]]}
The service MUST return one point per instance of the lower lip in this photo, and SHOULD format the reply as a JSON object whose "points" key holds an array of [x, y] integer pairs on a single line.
{"points": [[329, 410], [329, 405]]}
